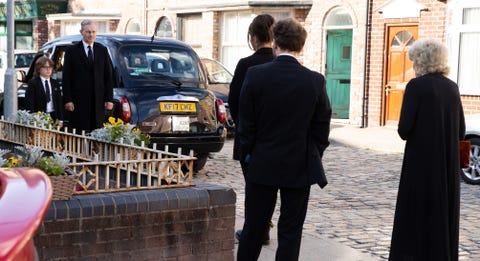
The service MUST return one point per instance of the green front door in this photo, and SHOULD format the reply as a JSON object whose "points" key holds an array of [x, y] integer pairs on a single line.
{"points": [[339, 53]]}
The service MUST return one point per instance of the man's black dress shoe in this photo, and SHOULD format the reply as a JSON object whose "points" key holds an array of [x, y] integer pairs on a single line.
{"points": [[266, 239]]}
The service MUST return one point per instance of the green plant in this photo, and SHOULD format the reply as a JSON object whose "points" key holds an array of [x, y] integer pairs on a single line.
{"points": [[118, 131], [38, 119], [51, 166], [33, 156]]}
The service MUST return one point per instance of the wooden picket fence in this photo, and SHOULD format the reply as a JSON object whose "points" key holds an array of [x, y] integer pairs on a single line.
{"points": [[104, 166]]}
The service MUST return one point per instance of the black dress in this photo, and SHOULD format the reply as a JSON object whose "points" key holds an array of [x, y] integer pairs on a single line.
{"points": [[426, 225]]}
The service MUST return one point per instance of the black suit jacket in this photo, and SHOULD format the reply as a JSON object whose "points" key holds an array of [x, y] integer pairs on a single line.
{"points": [[284, 108], [260, 56], [87, 85], [36, 98]]}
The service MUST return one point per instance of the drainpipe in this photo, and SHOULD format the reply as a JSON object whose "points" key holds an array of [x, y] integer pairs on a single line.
{"points": [[365, 71], [145, 18]]}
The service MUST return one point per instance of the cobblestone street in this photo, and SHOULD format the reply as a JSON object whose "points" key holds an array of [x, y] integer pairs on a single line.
{"points": [[357, 207]]}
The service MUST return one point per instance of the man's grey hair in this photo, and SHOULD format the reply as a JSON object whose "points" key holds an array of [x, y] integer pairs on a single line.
{"points": [[86, 22]]}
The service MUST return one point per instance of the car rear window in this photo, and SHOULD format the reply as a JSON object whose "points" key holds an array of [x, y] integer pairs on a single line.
{"points": [[153, 63]]}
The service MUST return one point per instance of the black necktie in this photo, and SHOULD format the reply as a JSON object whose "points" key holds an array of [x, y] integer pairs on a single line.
{"points": [[90, 54], [47, 90]]}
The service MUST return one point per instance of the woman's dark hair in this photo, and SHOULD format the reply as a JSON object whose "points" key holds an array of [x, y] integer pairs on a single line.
{"points": [[289, 35], [261, 28], [41, 62]]}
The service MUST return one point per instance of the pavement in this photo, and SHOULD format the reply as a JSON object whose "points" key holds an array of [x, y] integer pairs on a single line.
{"points": [[381, 139], [352, 218], [314, 248]]}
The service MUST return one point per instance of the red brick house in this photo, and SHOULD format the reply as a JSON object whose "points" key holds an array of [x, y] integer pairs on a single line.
{"points": [[360, 46]]}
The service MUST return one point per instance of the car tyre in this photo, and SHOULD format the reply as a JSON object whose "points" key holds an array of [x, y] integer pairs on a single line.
{"points": [[200, 162], [471, 175]]}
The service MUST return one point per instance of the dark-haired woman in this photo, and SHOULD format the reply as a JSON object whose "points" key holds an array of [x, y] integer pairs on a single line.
{"points": [[260, 40]]}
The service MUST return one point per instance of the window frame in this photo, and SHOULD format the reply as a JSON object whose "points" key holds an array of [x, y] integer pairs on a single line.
{"points": [[133, 27], [164, 25], [188, 24], [240, 43], [453, 41], [72, 26]]}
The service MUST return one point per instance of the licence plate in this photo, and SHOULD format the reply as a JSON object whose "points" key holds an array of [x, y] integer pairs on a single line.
{"points": [[178, 107], [180, 123]]}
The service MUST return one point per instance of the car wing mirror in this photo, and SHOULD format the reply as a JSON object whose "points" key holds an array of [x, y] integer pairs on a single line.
{"points": [[21, 76]]}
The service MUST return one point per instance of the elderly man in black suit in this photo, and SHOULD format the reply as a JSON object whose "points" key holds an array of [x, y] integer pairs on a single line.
{"points": [[87, 81], [284, 127]]}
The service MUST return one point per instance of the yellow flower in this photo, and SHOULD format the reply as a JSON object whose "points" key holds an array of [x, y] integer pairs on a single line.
{"points": [[114, 121], [12, 162], [119, 122]]}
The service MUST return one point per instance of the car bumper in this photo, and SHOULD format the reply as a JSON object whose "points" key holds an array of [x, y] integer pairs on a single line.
{"points": [[199, 144]]}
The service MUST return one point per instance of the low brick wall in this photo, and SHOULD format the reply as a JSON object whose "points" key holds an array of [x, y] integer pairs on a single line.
{"points": [[194, 223]]}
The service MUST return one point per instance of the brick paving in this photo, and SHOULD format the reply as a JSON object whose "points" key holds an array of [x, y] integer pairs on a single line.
{"points": [[357, 207]]}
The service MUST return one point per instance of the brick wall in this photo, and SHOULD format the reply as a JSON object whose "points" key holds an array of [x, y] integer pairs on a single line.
{"points": [[367, 61], [40, 33], [315, 48], [195, 223], [431, 24]]}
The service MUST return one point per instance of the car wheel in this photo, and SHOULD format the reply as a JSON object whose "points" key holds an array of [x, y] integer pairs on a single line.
{"points": [[200, 162], [471, 174]]}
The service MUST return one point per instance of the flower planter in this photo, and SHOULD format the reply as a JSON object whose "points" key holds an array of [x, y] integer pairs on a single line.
{"points": [[100, 166], [63, 186]]}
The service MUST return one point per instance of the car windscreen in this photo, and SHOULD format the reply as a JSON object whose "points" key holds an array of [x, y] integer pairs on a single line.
{"points": [[154, 63]]}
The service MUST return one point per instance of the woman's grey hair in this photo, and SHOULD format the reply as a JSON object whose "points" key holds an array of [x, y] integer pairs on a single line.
{"points": [[429, 56]]}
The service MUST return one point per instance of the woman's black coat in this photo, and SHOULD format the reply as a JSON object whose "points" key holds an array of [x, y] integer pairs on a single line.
{"points": [[261, 56], [426, 225]]}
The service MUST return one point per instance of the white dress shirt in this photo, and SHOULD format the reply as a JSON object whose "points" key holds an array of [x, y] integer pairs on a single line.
{"points": [[50, 107]]}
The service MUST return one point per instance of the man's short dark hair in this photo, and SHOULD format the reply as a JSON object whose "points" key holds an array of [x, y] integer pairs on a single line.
{"points": [[289, 35]]}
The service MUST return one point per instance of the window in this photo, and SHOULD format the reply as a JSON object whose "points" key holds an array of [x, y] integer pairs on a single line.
{"points": [[23, 35], [339, 16], [71, 27], [3, 36], [233, 35], [164, 28], [133, 27], [157, 63], [188, 29], [403, 38], [463, 36]]}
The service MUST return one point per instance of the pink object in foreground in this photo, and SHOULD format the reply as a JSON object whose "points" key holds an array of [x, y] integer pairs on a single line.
{"points": [[25, 195]]}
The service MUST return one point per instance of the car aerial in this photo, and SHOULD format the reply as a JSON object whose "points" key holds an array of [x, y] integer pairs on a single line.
{"points": [[471, 174], [161, 88], [21, 60], [219, 79]]}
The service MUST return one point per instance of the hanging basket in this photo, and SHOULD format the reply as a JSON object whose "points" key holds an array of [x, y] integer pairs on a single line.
{"points": [[63, 186]]}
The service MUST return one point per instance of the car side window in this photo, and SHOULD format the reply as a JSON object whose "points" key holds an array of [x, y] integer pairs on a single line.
{"points": [[216, 72], [57, 58]]}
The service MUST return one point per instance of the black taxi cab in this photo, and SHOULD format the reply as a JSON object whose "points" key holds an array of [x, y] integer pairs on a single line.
{"points": [[161, 88]]}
